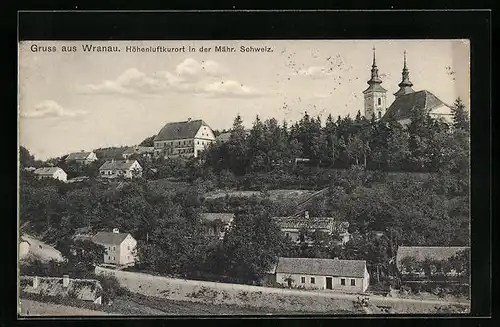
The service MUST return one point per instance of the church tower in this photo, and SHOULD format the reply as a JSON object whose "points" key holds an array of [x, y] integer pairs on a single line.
{"points": [[405, 85], [375, 94]]}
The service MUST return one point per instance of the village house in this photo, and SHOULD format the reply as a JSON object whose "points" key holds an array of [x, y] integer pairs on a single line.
{"points": [[183, 139], [82, 157], [142, 151], [223, 137], [81, 289], [119, 247], [410, 260], [301, 229], [217, 224], [324, 274], [120, 168], [51, 172]]}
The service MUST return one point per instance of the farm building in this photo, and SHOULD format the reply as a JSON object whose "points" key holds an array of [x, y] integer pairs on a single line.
{"points": [[217, 224], [82, 157], [324, 274], [120, 168], [143, 151], [51, 172]]}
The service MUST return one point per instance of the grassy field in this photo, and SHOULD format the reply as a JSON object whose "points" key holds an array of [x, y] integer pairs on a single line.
{"points": [[35, 308]]}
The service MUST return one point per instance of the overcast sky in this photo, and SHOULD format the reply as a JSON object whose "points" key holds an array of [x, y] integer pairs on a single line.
{"points": [[74, 101]]}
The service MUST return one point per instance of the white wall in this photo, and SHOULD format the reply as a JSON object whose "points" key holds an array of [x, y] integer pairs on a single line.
{"points": [[320, 282], [126, 254]]}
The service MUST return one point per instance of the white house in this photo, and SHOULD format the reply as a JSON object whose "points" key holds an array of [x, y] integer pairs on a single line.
{"points": [[324, 274], [119, 247], [183, 139], [52, 172], [120, 168], [82, 157]]}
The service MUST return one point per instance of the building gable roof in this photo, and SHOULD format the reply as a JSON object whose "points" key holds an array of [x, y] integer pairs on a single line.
{"points": [[213, 216], [325, 267], [180, 130], [310, 223], [403, 105], [47, 170], [117, 165], [78, 155], [421, 253], [109, 238]]}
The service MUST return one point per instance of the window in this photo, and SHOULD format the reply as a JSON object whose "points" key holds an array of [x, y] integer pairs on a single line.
{"points": [[313, 280], [197, 142], [379, 101], [113, 248], [128, 247], [353, 282], [379, 114], [302, 280], [342, 281]]}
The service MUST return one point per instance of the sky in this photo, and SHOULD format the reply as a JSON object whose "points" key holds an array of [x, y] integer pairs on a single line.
{"points": [[72, 101]]}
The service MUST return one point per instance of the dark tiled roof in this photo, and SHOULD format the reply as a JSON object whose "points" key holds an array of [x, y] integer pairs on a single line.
{"points": [[212, 216], [430, 252], [311, 223], [180, 130], [117, 165], [325, 267], [47, 170], [402, 107], [78, 156], [109, 238]]}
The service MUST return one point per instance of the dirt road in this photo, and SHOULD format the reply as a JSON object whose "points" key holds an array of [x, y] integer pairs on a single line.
{"points": [[31, 308]]}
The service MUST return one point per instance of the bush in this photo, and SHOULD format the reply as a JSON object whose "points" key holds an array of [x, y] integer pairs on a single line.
{"points": [[111, 287]]}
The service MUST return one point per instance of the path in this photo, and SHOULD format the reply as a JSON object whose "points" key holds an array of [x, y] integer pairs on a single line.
{"points": [[34, 308]]}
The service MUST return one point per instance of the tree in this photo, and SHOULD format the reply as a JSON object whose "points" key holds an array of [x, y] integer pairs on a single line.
{"points": [[26, 159], [460, 115], [149, 141]]}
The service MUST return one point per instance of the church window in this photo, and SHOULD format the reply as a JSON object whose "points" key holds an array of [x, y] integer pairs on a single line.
{"points": [[379, 101], [379, 114]]}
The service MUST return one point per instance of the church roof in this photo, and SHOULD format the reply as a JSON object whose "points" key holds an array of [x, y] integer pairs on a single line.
{"points": [[422, 100], [180, 130]]}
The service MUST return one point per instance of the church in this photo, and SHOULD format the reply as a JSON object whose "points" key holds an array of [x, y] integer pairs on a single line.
{"points": [[407, 99]]}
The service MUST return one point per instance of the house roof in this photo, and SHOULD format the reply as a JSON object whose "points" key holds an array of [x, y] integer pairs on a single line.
{"points": [[138, 149], [109, 238], [47, 170], [117, 165], [180, 130], [402, 107], [376, 87], [78, 155], [224, 136], [212, 216], [311, 223], [430, 252], [325, 267]]}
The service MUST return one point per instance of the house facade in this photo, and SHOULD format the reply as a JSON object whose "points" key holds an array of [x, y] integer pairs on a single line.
{"points": [[217, 224], [349, 276], [52, 172], [82, 157], [183, 139], [120, 247], [301, 229], [120, 168], [143, 151]]}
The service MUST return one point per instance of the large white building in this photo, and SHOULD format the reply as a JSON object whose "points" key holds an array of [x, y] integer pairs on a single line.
{"points": [[51, 172], [183, 139], [406, 99]]}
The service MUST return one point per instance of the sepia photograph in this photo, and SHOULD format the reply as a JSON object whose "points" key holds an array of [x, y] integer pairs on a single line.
{"points": [[244, 177]]}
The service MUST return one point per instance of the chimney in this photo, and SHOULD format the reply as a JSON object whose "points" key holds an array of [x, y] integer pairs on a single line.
{"points": [[36, 281], [116, 231], [65, 280], [306, 214]]}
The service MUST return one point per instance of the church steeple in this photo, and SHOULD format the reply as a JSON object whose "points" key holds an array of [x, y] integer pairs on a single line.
{"points": [[375, 94], [405, 85], [374, 78]]}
